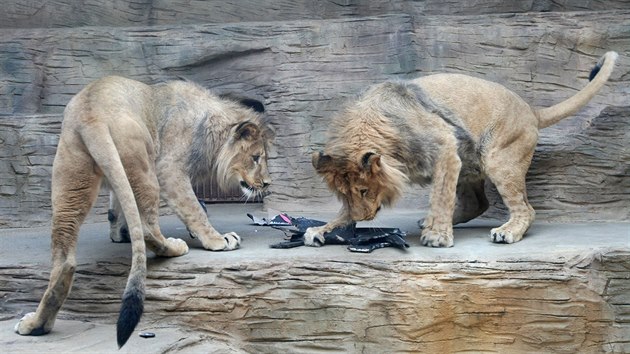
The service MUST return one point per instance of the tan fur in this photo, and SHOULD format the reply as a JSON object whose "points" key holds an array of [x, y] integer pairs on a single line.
{"points": [[145, 142], [449, 130]]}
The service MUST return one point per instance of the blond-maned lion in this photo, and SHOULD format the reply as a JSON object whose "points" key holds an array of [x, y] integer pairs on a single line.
{"points": [[451, 130], [146, 142]]}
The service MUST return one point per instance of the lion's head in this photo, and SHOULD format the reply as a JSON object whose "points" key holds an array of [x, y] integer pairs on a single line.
{"points": [[234, 144], [365, 183], [248, 164]]}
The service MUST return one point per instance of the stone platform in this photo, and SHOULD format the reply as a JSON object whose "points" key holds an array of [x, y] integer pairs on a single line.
{"points": [[563, 289]]}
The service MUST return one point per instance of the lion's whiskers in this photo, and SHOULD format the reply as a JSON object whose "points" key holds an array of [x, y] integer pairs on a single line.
{"points": [[247, 193], [251, 193]]}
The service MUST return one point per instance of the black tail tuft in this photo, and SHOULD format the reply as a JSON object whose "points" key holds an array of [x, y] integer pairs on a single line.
{"points": [[130, 313], [594, 72], [596, 68]]}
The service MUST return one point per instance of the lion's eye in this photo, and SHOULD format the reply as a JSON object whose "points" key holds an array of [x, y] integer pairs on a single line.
{"points": [[363, 192], [256, 158]]}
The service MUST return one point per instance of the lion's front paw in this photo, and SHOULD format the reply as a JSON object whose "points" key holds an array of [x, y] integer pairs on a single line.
{"points": [[118, 230], [233, 241], [119, 235], [435, 238], [314, 237], [504, 234], [175, 247], [28, 326], [225, 242]]}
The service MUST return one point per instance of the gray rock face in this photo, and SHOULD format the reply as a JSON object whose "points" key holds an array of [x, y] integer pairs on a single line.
{"points": [[305, 59], [305, 65], [121, 13]]}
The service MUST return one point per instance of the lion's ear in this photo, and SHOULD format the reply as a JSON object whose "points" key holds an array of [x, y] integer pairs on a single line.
{"points": [[321, 162], [246, 130], [371, 161]]}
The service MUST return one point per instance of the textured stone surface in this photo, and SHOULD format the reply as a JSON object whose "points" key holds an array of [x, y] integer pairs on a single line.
{"points": [[305, 71], [70, 13], [563, 289], [27, 151]]}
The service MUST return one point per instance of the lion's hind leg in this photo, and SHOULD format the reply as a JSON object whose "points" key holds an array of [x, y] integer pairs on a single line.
{"points": [[74, 189], [146, 190], [507, 168]]}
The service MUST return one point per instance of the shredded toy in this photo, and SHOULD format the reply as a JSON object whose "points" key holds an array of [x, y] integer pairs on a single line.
{"points": [[358, 239]]}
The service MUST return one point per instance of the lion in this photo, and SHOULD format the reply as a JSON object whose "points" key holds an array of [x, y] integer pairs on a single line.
{"points": [[449, 130], [146, 142]]}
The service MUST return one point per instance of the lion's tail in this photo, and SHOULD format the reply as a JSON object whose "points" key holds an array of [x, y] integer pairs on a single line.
{"points": [[102, 148], [599, 75]]}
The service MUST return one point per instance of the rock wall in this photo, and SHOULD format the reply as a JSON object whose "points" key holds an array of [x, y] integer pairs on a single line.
{"points": [[572, 305], [304, 62], [115, 13]]}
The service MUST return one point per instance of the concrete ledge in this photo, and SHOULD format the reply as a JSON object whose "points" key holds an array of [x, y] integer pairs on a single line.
{"points": [[562, 289]]}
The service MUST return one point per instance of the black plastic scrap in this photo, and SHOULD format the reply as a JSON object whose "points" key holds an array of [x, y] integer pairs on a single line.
{"points": [[358, 239], [278, 220]]}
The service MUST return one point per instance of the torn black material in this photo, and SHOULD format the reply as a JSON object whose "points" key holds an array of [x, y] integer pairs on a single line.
{"points": [[358, 239], [278, 220]]}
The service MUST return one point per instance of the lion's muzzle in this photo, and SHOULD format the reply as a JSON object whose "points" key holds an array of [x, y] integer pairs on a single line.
{"points": [[363, 213]]}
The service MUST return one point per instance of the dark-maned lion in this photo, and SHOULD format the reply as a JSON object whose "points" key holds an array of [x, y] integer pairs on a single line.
{"points": [[146, 142], [449, 130]]}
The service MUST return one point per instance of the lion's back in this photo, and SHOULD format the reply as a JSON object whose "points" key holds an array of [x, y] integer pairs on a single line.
{"points": [[477, 102], [108, 99], [122, 106]]}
